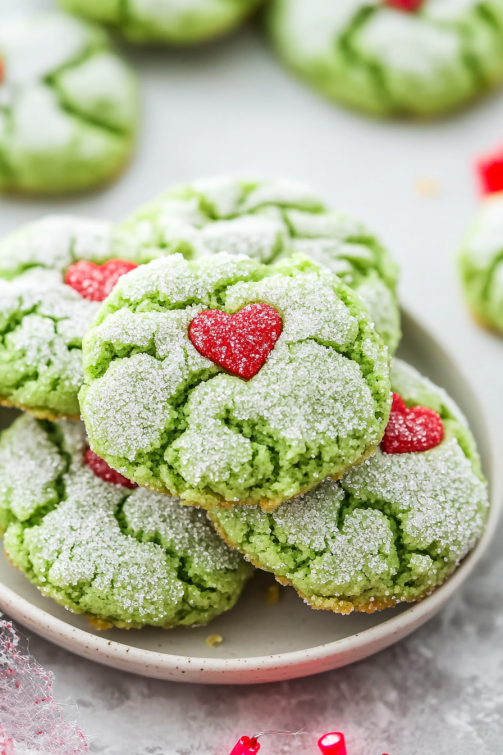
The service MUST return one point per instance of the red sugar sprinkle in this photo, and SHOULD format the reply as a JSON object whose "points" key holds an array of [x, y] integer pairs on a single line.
{"points": [[95, 282], [239, 343], [411, 430], [409, 6], [102, 470], [490, 170]]}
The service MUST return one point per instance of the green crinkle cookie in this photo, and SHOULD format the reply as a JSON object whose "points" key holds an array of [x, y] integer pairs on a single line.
{"points": [[42, 320], [173, 22], [170, 419], [125, 557], [393, 529], [387, 62], [268, 220], [481, 264], [68, 106]]}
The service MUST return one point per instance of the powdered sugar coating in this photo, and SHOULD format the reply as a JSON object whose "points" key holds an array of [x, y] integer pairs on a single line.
{"points": [[392, 529], [70, 102], [126, 557], [27, 480], [42, 320], [55, 242], [43, 323], [481, 266], [267, 220], [173, 22], [435, 494], [170, 419], [385, 61]]}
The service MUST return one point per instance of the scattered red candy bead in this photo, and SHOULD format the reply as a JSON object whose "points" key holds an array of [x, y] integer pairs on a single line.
{"points": [[239, 343], [490, 170], [411, 430], [102, 470], [409, 6], [246, 746], [332, 744], [95, 282]]}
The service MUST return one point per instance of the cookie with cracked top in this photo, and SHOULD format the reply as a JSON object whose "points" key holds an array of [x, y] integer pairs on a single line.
{"points": [[119, 554], [68, 106], [393, 528], [53, 275], [481, 266], [226, 382], [268, 220], [170, 22], [393, 57]]}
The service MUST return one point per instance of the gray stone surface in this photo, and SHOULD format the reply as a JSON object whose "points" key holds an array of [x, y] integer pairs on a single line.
{"points": [[230, 107]]}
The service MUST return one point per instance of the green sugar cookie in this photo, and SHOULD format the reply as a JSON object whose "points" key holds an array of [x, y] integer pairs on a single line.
{"points": [[392, 529], [389, 62], [68, 106], [125, 557], [172, 22], [481, 264], [43, 319], [161, 409], [268, 220]]}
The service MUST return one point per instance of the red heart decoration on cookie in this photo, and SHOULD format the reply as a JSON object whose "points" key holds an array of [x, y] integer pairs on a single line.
{"points": [[104, 472], [409, 6], [239, 343], [411, 430], [95, 282]]}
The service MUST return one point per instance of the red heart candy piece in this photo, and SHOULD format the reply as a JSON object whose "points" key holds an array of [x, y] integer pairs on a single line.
{"points": [[95, 282], [409, 6], [411, 430], [102, 470], [239, 343], [490, 170]]}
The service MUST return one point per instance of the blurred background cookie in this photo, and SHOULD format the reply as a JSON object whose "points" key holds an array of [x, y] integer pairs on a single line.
{"points": [[68, 106], [481, 264], [393, 57], [173, 22]]}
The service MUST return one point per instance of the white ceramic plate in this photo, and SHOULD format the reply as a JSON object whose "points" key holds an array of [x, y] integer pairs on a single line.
{"points": [[263, 643]]}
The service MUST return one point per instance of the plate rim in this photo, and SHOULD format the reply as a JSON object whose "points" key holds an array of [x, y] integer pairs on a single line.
{"points": [[281, 666]]}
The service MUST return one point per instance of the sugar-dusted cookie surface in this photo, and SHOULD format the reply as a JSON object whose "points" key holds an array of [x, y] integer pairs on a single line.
{"points": [[481, 264], [269, 220], [42, 318], [68, 105], [393, 57], [168, 417], [123, 556], [172, 22], [392, 529]]}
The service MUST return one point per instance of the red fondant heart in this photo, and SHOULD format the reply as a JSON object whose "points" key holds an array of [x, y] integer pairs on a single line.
{"points": [[239, 343], [95, 282], [102, 470], [411, 430], [409, 6]]}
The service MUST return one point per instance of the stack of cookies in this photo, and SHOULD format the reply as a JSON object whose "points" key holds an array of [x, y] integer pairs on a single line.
{"points": [[229, 349]]}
